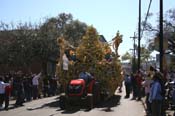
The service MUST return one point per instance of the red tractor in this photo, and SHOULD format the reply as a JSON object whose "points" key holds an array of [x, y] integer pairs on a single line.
{"points": [[79, 90]]}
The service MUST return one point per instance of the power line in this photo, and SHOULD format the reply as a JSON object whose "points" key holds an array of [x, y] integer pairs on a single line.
{"points": [[146, 17], [139, 29]]}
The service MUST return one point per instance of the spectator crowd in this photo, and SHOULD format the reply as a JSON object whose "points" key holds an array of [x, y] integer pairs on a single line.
{"points": [[26, 87], [153, 85]]}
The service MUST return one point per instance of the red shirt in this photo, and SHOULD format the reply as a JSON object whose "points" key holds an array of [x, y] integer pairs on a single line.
{"points": [[8, 90], [139, 80]]}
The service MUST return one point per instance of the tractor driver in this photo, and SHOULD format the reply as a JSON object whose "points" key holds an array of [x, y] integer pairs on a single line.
{"points": [[87, 77]]}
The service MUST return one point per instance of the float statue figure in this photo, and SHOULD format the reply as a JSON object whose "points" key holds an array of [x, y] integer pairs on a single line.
{"points": [[116, 42]]}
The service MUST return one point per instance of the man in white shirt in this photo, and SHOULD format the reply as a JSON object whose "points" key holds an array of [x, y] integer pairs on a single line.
{"points": [[65, 72], [35, 84], [2, 91], [65, 66], [65, 62]]}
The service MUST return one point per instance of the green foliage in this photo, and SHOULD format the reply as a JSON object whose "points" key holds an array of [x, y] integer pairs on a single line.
{"points": [[17, 45], [145, 54], [74, 31], [24, 43], [126, 56]]}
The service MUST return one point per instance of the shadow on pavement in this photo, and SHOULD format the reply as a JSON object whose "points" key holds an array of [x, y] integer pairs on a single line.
{"points": [[11, 107], [106, 105], [111, 102], [54, 104]]}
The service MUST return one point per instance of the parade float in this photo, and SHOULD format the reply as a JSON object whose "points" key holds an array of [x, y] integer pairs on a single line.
{"points": [[96, 58]]}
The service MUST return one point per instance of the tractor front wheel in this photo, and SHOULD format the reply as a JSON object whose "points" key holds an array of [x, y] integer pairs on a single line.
{"points": [[62, 101]]}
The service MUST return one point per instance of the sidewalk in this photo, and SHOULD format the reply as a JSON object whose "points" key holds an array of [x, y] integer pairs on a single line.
{"points": [[128, 107]]}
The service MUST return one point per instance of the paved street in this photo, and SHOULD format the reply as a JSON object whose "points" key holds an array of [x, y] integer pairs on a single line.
{"points": [[50, 107]]}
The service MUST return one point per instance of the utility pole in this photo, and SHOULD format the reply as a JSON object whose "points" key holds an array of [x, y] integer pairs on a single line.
{"points": [[139, 35], [161, 37], [134, 59]]}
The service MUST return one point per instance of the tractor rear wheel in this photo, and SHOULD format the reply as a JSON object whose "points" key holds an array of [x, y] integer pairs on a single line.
{"points": [[96, 93]]}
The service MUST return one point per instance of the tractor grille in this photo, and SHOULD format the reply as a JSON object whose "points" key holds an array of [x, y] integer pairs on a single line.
{"points": [[74, 89]]}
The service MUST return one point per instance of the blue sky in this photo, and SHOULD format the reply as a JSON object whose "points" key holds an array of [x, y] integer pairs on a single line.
{"points": [[107, 16]]}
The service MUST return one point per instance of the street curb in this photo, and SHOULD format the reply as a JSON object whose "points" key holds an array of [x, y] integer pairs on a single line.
{"points": [[143, 103]]}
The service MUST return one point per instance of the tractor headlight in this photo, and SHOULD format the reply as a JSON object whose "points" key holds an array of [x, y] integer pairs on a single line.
{"points": [[70, 86]]}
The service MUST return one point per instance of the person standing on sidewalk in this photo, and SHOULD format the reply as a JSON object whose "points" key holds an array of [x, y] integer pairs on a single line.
{"points": [[2, 92], [139, 84], [8, 90], [3, 86], [156, 97], [20, 91], [35, 84], [147, 84], [127, 81], [134, 86]]}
